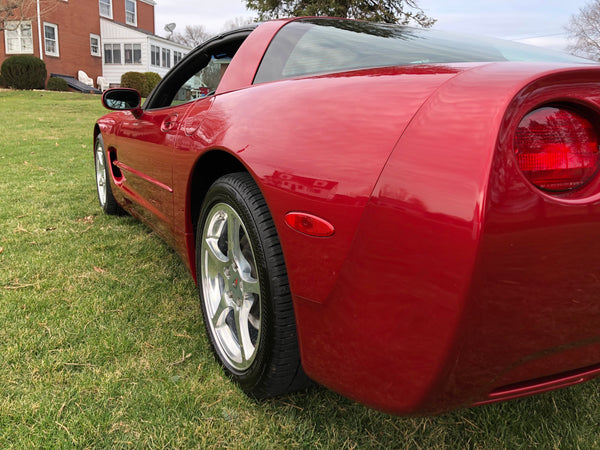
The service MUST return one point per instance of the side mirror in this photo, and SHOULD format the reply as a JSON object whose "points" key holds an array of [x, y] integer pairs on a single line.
{"points": [[122, 99]]}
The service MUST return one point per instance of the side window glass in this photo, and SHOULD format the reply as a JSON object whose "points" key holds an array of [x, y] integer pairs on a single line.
{"points": [[199, 74], [279, 51], [204, 82]]}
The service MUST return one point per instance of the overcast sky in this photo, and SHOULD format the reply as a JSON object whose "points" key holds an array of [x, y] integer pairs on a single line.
{"points": [[538, 22]]}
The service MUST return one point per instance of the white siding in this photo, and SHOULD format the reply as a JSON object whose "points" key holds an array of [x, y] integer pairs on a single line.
{"points": [[163, 43], [113, 33]]}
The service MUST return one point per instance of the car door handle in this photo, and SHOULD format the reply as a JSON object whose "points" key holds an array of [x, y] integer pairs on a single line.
{"points": [[169, 123]]}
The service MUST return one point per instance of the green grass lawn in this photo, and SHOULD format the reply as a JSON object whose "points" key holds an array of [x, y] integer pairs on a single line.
{"points": [[101, 343]]}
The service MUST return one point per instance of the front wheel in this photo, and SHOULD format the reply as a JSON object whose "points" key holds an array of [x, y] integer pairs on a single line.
{"points": [[105, 196], [244, 291]]}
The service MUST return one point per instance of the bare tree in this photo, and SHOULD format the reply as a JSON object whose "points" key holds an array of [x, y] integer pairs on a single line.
{"points": [[13, 12], [584, 31], [237, 22], [192, 36], [211, 75]]}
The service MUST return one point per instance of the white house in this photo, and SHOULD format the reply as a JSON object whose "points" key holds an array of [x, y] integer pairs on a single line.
{"points": [[130, 49]]}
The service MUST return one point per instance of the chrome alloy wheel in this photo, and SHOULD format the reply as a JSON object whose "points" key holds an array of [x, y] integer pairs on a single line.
{"points": [[101, 173], [231, 288]]}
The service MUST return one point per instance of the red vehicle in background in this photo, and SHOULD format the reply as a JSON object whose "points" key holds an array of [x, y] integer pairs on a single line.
{"points": [[405, 216]]}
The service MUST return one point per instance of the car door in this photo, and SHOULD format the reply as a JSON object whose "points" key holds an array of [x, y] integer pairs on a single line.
{"points": [[144, 154], [147, 138]]}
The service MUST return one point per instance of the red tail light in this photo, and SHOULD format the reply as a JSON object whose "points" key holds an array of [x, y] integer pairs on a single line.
{"points": [[557, 149]]}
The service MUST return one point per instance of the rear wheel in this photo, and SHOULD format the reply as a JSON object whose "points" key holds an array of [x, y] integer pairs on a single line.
{"points": [[105, 195], [244, 292]]}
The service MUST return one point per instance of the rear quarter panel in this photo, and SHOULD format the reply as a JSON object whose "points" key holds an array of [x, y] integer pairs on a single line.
{"points": [[533, 306], [411, 325], [315, 145]]}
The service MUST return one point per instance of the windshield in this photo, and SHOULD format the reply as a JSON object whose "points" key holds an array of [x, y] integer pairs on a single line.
{"points": [[316, 46]]}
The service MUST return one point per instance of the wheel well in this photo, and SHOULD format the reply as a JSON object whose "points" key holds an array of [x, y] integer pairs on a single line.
{"points": [[209, 168], [96, 133]]}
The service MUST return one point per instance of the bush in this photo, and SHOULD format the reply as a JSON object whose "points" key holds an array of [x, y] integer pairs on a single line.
{"points": [[24, 72], [57, 84], [152, 79], [143, 82], [135, 80]]}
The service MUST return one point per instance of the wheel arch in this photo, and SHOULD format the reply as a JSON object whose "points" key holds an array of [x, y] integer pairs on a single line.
{"points": [[96, 134], [207, 169]]}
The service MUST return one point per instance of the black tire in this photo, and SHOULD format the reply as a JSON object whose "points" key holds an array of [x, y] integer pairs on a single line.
{"points": [[103, 187], [244, 292]]}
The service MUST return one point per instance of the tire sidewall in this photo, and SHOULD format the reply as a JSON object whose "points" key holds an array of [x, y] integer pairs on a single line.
{"points": [[110, 204], [224, 192], [99, 142]]}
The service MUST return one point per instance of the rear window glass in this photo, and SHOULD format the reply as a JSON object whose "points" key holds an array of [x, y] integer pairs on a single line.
{"points": [[317, 46]]}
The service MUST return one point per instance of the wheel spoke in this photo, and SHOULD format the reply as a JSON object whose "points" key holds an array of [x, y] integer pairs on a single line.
{"points": [[216, 262], [251, 286], [214, 234], [243, 331], [234, 252], [235, 247], [220, 314], [253, 318]]}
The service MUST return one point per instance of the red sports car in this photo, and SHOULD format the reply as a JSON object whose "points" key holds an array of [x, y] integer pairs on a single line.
{"points": [[407, 217]]}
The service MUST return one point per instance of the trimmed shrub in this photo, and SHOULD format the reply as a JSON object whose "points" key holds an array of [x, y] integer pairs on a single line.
{"points": [[152, 79], [24, 72], [57, 84], [135, 80]]}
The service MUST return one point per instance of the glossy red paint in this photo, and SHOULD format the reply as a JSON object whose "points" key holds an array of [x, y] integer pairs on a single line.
{"points": [[477, 300], [311, 177], [450, 279], [244, 65], [144, 150]]}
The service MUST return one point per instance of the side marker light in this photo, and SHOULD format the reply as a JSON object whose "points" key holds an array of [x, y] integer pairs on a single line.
{"points": [[309, 224]]}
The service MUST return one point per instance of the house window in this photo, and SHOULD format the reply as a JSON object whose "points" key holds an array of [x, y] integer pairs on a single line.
{"points": [[155, 55], [106, 8], [18, 37], [131, 12], [133, 53], [95, 45], [112, 53], [51, 39], [176, 57], [166, 57]]}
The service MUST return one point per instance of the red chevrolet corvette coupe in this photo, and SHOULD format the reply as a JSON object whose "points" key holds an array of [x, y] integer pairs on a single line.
{"points": [[405, 216]]}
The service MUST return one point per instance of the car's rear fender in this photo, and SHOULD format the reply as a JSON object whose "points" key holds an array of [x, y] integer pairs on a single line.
{"points": [[532, 307], [315, 145], [391, 332]]}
